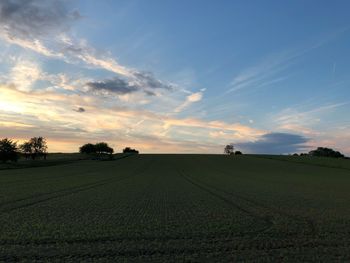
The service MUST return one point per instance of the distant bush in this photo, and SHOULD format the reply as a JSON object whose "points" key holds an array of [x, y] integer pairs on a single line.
{"points": [[238, 153], [8, 150], [326, 152], [130, 150], [295, 154]]}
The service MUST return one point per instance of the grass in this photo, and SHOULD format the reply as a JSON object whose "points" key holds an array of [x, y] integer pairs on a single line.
{"points": [[177, 208]]}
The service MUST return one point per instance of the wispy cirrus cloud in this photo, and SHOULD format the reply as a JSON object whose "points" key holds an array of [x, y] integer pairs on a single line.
{"points": [[264, 73], [304, 121], [271, 69]]}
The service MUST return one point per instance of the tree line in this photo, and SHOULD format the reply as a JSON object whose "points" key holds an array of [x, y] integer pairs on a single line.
{"points": [[101, 148], [319, 152], [34, 148]]}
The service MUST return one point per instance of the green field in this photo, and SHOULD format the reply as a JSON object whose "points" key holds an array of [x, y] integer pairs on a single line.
{"points": [[194, 208]]}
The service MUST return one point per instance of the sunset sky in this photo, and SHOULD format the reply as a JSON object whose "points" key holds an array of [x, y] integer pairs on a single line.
{"points": [[177, 76]]}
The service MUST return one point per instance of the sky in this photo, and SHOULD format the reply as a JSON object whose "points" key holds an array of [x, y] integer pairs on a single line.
{"points": [[177, 76]]}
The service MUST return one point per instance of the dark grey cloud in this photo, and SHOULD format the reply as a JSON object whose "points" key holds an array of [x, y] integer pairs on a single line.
{"points": [[147, 80], [139, 81], [275, 143], [115, 85], [32, 19], [80, 109]]}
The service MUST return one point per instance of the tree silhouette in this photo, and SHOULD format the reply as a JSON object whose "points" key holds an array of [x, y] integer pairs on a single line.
{"points": [[8, 150], [98, 148], [103, 147], [229, 149], [325, 152], [88, 148], [26, 149], [39, 147], [129, 150]]}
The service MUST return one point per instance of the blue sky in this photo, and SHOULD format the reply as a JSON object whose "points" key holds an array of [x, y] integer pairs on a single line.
{"points": [[177, 76]]}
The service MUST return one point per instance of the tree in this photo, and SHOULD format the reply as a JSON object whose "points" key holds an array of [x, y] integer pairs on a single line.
{"points": [[39, 147], [98, 148], [26, 149], [103, 147], [8, 150], [326, 152], [88, 148], [130, 150], [238, 153], [229, 149]]}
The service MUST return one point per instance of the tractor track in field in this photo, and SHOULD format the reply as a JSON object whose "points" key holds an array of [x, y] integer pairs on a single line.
{"points": [[218, 193], [312, 226], [226, 248], [265, 219], [44, 197], [310, 223], [212, 238]]}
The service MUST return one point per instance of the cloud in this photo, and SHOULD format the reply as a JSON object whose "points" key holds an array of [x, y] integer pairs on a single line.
{"points": [[116, 85], [49, 113], [138, 82], [147, 80], [24, 74], [80, 109], [275, 143], [303, 121], [190, 99], [266, 72], [32, 19], [44, 26]]}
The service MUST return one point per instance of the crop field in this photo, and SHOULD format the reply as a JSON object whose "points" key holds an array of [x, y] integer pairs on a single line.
{"points": [[177, 208]]}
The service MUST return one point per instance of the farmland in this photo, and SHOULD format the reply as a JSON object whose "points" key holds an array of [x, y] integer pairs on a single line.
{"points": [[177, 208]]}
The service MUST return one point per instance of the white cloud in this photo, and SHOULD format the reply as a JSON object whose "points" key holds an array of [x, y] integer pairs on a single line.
{"points": [[190, 99], [54, 115], [44, 27], [24, 74]]}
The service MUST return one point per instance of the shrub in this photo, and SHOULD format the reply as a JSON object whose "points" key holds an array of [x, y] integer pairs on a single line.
{"points": [[130, 150]]}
